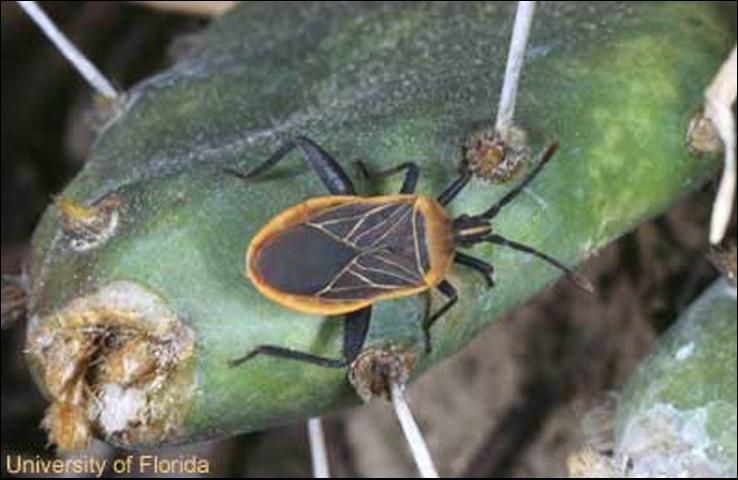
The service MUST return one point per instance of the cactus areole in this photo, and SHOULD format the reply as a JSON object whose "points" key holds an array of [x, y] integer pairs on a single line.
{"points": [[339, 254]]}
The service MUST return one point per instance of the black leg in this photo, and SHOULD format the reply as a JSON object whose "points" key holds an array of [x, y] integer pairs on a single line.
{"points": [[411, 175], [329, 171], [355, 328], [454, 188], [477, 264], [579, 280], [495, 209], [289, 354], [449, 292]]}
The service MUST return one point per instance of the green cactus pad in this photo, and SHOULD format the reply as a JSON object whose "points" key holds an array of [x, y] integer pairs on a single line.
{"points": [[616, 83]]}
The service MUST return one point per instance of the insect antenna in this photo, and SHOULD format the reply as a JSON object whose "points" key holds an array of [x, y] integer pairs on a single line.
{"points": [[492, 211], [579, 280]]}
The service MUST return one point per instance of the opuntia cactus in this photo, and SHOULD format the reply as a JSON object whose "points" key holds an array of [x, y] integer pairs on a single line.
{"points": [[138, 299]]}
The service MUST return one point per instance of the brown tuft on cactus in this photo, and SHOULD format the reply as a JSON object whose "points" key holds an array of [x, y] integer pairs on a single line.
{"points": [[86, 228], [115, 362], [375, 370], [498, 160]]}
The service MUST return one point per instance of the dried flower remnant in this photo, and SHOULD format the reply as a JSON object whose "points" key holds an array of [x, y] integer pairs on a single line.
{"points": [[589, 463], [117, 362], [87, 228]]}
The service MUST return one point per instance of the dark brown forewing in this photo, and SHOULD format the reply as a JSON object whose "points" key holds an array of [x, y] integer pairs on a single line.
{"points": [[353, 251], [359, 224], [371, 274], [302, 260]]}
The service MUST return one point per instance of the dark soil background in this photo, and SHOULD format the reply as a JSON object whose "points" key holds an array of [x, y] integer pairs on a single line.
{"points": [[510, 404]]}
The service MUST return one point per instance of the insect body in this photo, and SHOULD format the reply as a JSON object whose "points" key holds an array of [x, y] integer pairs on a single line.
{"points": [[341, 253], [338, 254]]}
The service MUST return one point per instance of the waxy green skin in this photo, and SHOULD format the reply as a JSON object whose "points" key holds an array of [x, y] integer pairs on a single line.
{"points": [[615, 83], [691, 375]]}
